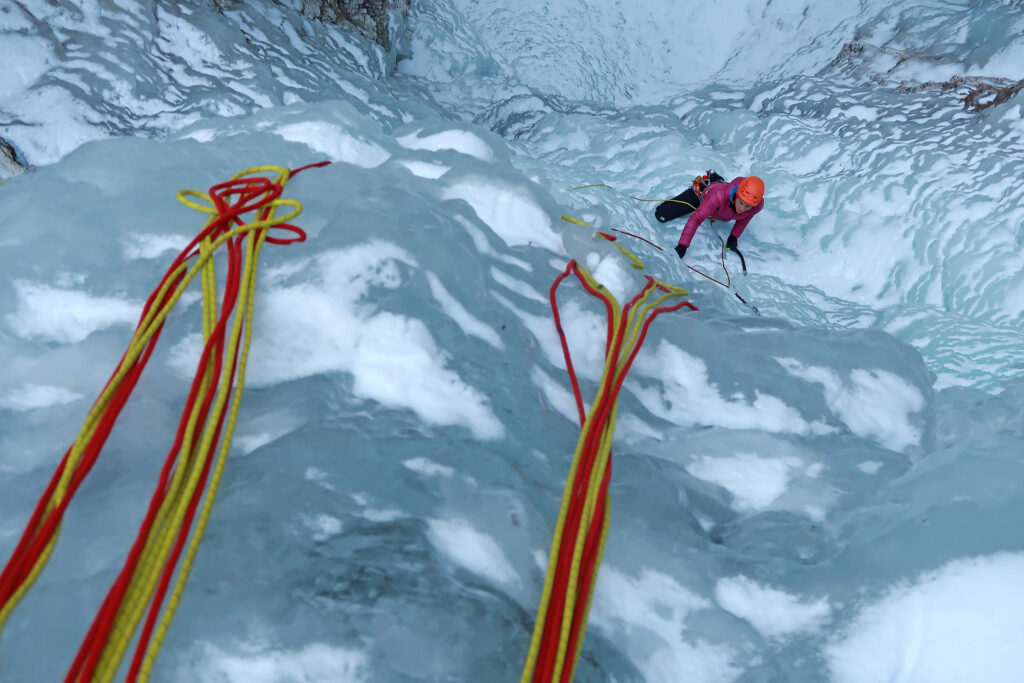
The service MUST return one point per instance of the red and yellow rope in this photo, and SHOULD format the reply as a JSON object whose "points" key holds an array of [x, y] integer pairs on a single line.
{"points": [[582, 527], [208, 419]]}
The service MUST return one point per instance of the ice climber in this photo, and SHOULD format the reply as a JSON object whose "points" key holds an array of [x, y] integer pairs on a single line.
{"points": [[712, 197]]}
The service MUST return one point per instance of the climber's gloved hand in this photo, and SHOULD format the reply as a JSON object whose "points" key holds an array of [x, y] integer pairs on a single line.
{"points": [[731, 242], [681, 250]]}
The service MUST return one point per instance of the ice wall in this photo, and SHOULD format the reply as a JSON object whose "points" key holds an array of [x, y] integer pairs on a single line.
{"points": [[825, 492]]}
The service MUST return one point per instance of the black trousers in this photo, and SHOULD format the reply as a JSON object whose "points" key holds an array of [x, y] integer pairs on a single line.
{"points": [[671, 210]]}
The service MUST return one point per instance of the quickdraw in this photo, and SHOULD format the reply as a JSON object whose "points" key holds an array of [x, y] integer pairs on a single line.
{"points": [[700, 184]]}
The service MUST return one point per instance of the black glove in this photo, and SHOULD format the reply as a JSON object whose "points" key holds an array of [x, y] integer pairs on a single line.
{"points": [[731, 242], [681, 250]]}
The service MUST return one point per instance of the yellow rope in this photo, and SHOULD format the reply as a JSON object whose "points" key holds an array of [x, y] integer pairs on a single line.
{"points": [[615, 366], [247, 294], [633, 260], [639, 199], [676, 201], [593, 486], [191, 456], [146, 330], [556, 541]]}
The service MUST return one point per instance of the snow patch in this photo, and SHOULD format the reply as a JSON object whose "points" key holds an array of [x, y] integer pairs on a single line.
{"points": [[34, 396], [66, 316], [774, 613], [472, 549], [960, 622]]}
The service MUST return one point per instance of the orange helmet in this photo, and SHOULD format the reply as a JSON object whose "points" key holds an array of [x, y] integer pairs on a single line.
{"points": [[750, 190]]}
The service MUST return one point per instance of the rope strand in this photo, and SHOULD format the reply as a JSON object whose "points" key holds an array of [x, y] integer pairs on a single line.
{"points": [[583, 522], [209, 418]]}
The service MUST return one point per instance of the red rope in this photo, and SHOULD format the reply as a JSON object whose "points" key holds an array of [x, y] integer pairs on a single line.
{"points": [[600, 413], [592, 541], [728, 277], [252, 194], [219, 193], [552, 627], [318, 164], [232, 200], [639, 238], [565, 345], [235, 255]]}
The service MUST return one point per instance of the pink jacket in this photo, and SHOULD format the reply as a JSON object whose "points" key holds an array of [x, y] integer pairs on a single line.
{"points": [[716, 205]]}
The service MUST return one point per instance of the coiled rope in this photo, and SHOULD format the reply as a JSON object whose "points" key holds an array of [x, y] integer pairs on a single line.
{"points": [[582, 527], [146, 575]]}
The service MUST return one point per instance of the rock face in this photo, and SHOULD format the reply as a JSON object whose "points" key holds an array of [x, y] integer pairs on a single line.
{"points": [[887, 67], [369, 17], [9, 165]]}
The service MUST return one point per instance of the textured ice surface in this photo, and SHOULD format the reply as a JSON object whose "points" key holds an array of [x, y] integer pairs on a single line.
{"points": [[829, 492]]}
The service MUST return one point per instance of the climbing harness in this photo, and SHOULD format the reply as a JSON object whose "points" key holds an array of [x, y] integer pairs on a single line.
{"points": [[700, 183], [209, 416], [582, 527]]}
